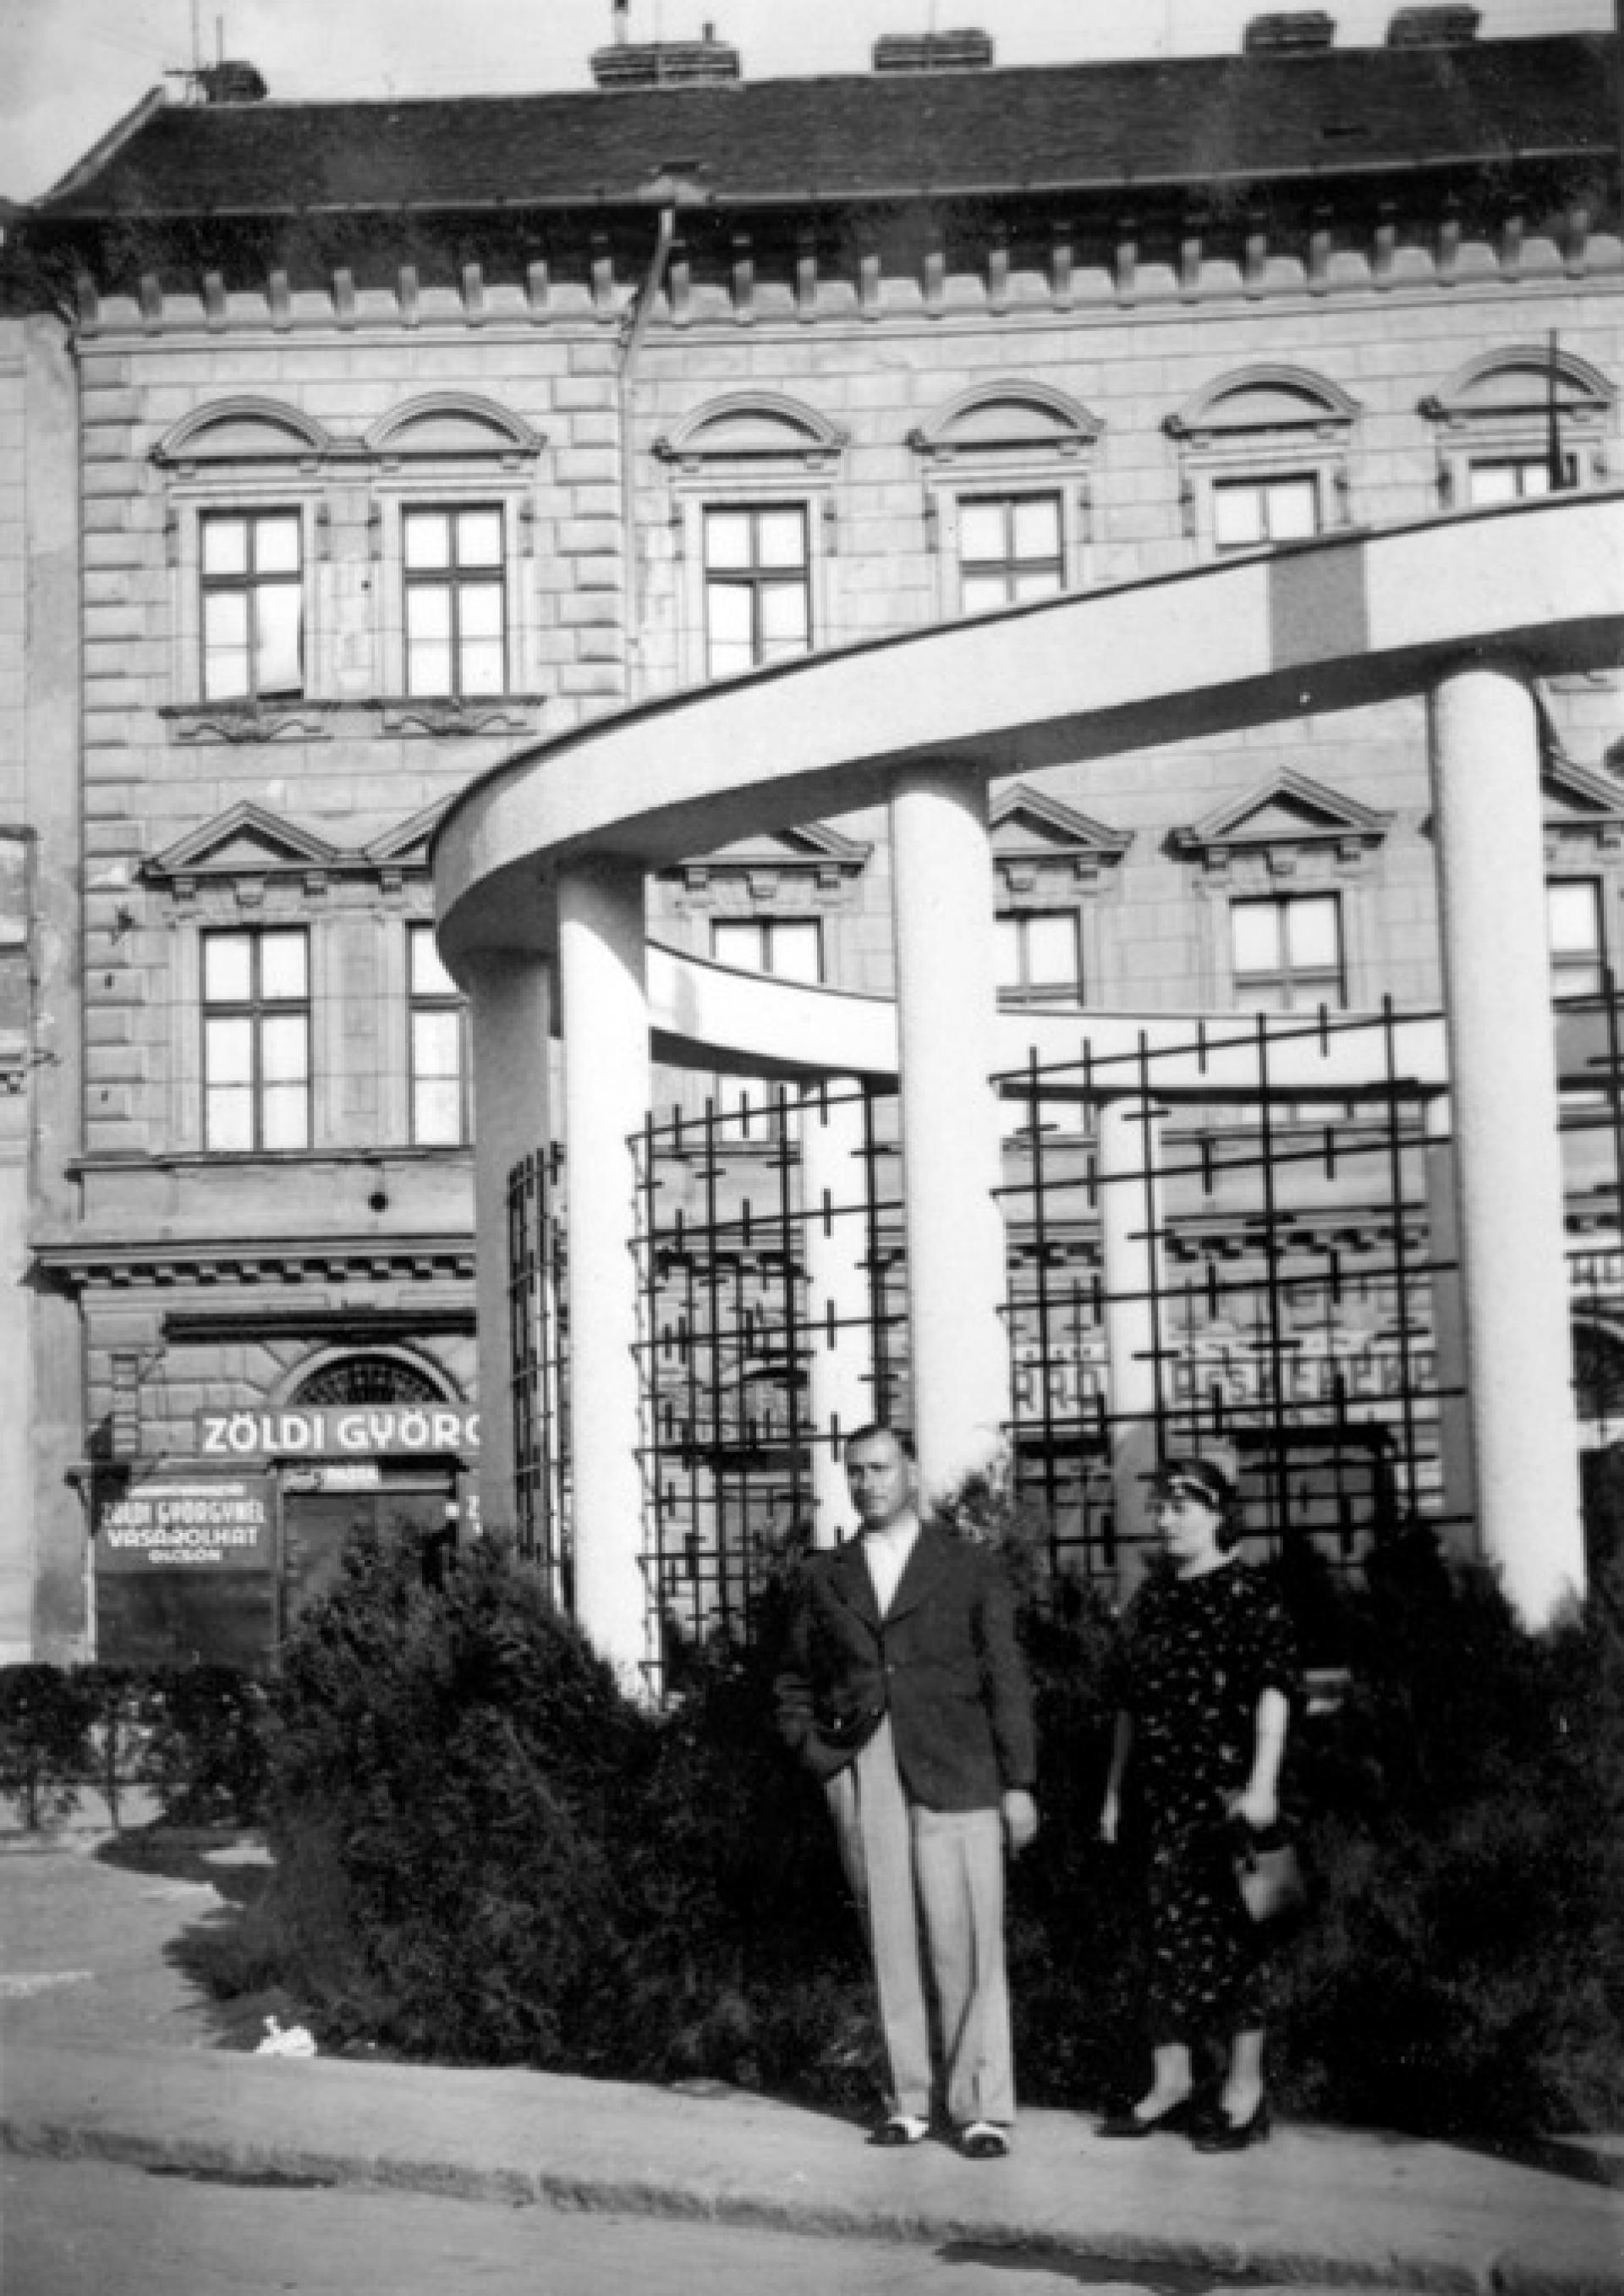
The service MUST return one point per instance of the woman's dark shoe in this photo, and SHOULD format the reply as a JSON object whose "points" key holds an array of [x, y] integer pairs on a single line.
{"points": [[1177, 2119], [1222, 2134]]}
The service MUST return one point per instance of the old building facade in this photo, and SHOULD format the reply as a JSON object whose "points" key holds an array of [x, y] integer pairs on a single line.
{"points": [[394, 438]]}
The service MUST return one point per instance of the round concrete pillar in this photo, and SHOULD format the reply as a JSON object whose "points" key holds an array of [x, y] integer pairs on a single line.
{"points": [[1485, 746], [839, 1328], [604, 1006], [947, 1012], [510, 1019]]}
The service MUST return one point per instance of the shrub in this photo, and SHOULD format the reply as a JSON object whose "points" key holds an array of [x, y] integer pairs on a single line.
{"points": [[44, 1742], [203, 1751]]}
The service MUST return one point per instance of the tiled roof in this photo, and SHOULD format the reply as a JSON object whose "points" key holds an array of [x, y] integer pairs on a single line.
{"points": [[1192, 120]]}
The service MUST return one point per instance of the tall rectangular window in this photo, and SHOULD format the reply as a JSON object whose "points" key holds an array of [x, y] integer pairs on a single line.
{"points": [[257, 1040], [757, 585], [1286, 952], [790, 948], [439, 1046], [1040, 956], [1249, 514], [1579, 949], [252, 605], [1010, 548], [456, 601]]}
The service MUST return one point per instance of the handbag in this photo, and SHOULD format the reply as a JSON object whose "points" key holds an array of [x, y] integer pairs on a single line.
{"points": [[1269, 1875]]}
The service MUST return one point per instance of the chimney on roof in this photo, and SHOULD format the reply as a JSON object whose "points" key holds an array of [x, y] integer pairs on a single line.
{"points": [[664, 63], [1295, 32], [1434, 28], [231, 83], [933, 51]]}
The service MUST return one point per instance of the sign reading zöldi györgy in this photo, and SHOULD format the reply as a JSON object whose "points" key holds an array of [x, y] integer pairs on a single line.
{"points": [[346, 1431], [174, 1520]]}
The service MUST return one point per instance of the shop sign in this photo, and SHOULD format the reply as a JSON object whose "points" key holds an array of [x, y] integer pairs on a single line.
{"points": [[362, 1430], [177, 1521], [344, 1475]]}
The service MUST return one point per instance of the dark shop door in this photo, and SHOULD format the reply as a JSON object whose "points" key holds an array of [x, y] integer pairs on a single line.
{"points": [[316, 1526]]}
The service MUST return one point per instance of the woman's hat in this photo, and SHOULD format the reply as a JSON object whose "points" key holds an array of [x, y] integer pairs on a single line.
{"points": [[1192, 1477]]}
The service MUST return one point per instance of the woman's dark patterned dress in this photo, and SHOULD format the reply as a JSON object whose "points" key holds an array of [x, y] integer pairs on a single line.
{"points": [[1195, 1658]]}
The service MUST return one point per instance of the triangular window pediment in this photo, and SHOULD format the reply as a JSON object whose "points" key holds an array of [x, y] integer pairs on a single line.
{"points": [[1289, 810], [407, 845], [1581, 808], [245, 841], [810, 851], [1030, 829]]}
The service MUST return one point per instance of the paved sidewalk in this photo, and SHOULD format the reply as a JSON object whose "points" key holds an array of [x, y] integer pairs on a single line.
{"points": [[1313, 2205]]}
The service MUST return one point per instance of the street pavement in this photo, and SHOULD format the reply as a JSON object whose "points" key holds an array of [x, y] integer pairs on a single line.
{"points": [[111, 2055]]}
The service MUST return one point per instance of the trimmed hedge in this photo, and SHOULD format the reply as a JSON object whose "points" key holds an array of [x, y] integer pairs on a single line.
{"points": [[194, 1736], [485, 1854]]}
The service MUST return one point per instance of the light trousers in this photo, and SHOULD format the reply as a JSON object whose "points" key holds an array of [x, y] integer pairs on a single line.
{"points": [[939, 1872]]}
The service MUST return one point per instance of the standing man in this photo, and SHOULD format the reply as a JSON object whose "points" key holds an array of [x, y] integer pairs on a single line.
{"points": [[904, 1692]]}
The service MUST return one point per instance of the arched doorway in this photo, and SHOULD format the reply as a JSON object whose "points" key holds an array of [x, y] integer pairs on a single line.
{"points": [[402, 1439]]}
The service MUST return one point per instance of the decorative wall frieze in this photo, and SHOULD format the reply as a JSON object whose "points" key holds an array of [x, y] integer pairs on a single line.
{"points": [[166, 1266]]}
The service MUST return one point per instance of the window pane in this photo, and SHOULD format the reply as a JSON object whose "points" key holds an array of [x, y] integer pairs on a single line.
{"points": [[437, 1112], [226, 642], [224, 545], [979, 593], [228, 1052], [1255, 936], [727, 537], [1008, 953], [278, 666], [429, 976], [982, 530], [480, 609], [437, 1041], [783, 617], [1036, 527], [284, 1048], [277, 545], [283, 973], [795, 949], [1262, 997], [479, 537], [427, 539], [1237, 517], [1037, 582], [1050, 952], [1312, 930], [428, 606], [429, 669], [483, 667], [1293, 509], [286, 1116], [228, 1119], [227, 968], [1573, 912], [781, 538], [739, 942]]}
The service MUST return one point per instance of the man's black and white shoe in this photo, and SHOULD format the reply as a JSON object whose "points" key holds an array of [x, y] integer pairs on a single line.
{"points": [[901, 2128], [983, 2140]]}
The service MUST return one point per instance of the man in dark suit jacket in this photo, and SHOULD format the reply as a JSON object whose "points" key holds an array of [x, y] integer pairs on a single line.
{"points": [[904, 1692]]}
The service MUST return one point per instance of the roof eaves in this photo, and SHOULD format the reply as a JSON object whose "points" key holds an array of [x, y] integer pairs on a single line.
{"points": [[99, 152]]}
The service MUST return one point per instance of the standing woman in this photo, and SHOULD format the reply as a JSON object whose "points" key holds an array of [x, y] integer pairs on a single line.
{"points": [[1206, 1678]]}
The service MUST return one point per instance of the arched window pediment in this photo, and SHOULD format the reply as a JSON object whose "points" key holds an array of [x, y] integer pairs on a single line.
{"points": [[1522, 380], [1007, 417], [444, 425], [753, 427], [1260, 399], [244, 429]]}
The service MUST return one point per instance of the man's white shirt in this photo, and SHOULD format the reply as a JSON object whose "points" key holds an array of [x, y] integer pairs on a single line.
{"points": [[886, 1553]]}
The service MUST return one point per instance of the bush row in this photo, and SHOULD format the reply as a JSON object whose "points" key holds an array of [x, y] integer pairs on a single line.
{"points": [[485, 1854], [194, 1737]]}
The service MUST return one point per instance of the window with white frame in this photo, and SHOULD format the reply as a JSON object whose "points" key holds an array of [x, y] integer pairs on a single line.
{"points": [[453, 571], [1011, 548], [1577, 944], [789, 948], [251, 613], [1286, 952], [1526, 420], [437, 1048], [1040, 956], [1518, 478], [256, 1022], [758, 585], [1254, 513]]}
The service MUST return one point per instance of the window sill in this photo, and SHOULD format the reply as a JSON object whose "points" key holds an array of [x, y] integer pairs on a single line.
{"points": [[298, 720]]}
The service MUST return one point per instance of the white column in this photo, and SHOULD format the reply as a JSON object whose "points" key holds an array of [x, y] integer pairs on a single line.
{"points": [[1503, 1081], [840, 1336], [1130, 1139], [510, 1015], [947, 1012], [604, 1005]]}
